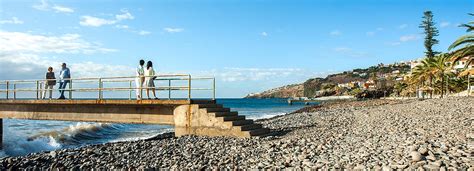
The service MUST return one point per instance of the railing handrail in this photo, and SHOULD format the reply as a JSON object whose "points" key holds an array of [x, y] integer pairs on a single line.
{"points": [[101, 80], [96, 78]]}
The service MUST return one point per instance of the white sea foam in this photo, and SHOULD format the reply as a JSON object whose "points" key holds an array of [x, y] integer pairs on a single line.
{"points": [[83, 126], [20, 146], [142, 137], [266, 115]]}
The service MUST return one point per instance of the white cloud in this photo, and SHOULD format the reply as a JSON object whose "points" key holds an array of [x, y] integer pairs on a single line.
{"points": [[63, 9], [124, 16], [143, 32], [335, 33], [173, 30], [395, 43], [45, 6], [32, 66], [406, 38], [233, 74], [444, 24], [403, 26], [350, 52], [21, 56], [94, 21], [373, 33], [29, 43], [122, 26], [13, 20], [97, 22], [342, 49], [92, 69], [265, 34]]}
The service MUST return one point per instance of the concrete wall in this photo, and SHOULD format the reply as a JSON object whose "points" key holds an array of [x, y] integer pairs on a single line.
{"points": [[122, 113], [187, 118]]}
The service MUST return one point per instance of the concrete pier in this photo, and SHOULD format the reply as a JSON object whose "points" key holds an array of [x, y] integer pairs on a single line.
{"points": [[197, 117]]}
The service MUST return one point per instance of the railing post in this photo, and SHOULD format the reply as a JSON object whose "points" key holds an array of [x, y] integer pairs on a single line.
{"points": [[140, 87], [189, 87], [37, 90], [14, 91], [130, 92], [169, 89], [100, 88], [214, 88], [70, 89], [8, 87]]}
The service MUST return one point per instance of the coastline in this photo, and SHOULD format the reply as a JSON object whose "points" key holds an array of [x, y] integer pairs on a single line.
{"points": [[372, 134]]}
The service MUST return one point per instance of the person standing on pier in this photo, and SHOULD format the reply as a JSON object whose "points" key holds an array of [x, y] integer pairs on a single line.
{"points": [[50, 83], [140, 79], [150, 79], [64, 79]]}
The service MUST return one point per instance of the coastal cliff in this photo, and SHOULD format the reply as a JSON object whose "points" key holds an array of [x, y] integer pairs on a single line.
{"points": [[334, 84], [294, 90]]}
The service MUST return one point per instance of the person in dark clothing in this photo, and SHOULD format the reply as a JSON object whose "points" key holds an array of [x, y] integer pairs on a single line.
{"points": [[50, 83]]}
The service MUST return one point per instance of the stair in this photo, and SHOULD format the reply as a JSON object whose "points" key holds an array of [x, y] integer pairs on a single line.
{"points": [[233, 118], [209, 110], [210, 106], [249, 127], [221, 114], [238, 124]]}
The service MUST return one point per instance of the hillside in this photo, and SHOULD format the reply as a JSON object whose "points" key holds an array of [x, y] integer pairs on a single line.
{"points": [[294, 90], [316, 87]]}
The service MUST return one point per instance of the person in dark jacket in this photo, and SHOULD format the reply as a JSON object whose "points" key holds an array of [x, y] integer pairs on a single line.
{"points": [[50, 83]]}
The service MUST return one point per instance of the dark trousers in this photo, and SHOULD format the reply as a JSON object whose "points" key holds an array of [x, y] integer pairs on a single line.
{"points": [[62, 86]]}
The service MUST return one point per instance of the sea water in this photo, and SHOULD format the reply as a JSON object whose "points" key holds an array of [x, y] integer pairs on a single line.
{"points": [[21, 137]]}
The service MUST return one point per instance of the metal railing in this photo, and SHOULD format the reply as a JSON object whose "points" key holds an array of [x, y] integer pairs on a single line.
{"points": [[11, 86]]}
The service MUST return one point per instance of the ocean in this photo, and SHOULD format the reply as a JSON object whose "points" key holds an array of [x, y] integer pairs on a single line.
{"points": [[21, 137]]}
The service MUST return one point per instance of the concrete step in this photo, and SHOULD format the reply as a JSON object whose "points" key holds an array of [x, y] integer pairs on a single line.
{"points": [[210, 106], [233, 118], [194, 101], [259, 132], [248, 127], [241, 122], [221, 114], [210, 110]]}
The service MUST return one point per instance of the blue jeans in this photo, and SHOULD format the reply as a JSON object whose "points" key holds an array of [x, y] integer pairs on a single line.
{"points": [[62, 86]]}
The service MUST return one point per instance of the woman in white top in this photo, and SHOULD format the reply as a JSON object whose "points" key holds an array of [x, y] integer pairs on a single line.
{"points": [[150, 79], [139, 80]]}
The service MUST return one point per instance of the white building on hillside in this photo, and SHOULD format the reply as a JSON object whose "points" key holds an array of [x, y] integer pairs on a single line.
{"points": [[414, 63], [462, 63]]}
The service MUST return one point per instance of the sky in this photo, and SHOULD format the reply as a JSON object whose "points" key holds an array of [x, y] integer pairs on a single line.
{"points": [[248, 45]]}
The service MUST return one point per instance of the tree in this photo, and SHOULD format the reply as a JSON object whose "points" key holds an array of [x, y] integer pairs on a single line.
{"points": [[431, 32], [467, 43], [423, 73], [466, 51], [440, 68]]}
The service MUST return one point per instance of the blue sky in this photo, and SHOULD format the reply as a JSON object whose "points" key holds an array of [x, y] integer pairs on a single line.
{"points": [[249, 46]]}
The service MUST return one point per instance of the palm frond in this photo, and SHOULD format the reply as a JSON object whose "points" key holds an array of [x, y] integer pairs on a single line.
{"points": [[461, 53], [466, 39], [468, 26]]}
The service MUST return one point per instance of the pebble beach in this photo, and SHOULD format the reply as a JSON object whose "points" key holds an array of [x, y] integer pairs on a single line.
{"points": [[431, 134]]}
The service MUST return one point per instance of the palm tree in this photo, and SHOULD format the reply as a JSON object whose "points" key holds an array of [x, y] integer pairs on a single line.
{"points": [[433, 71], [467, 49], [440, 68]]}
